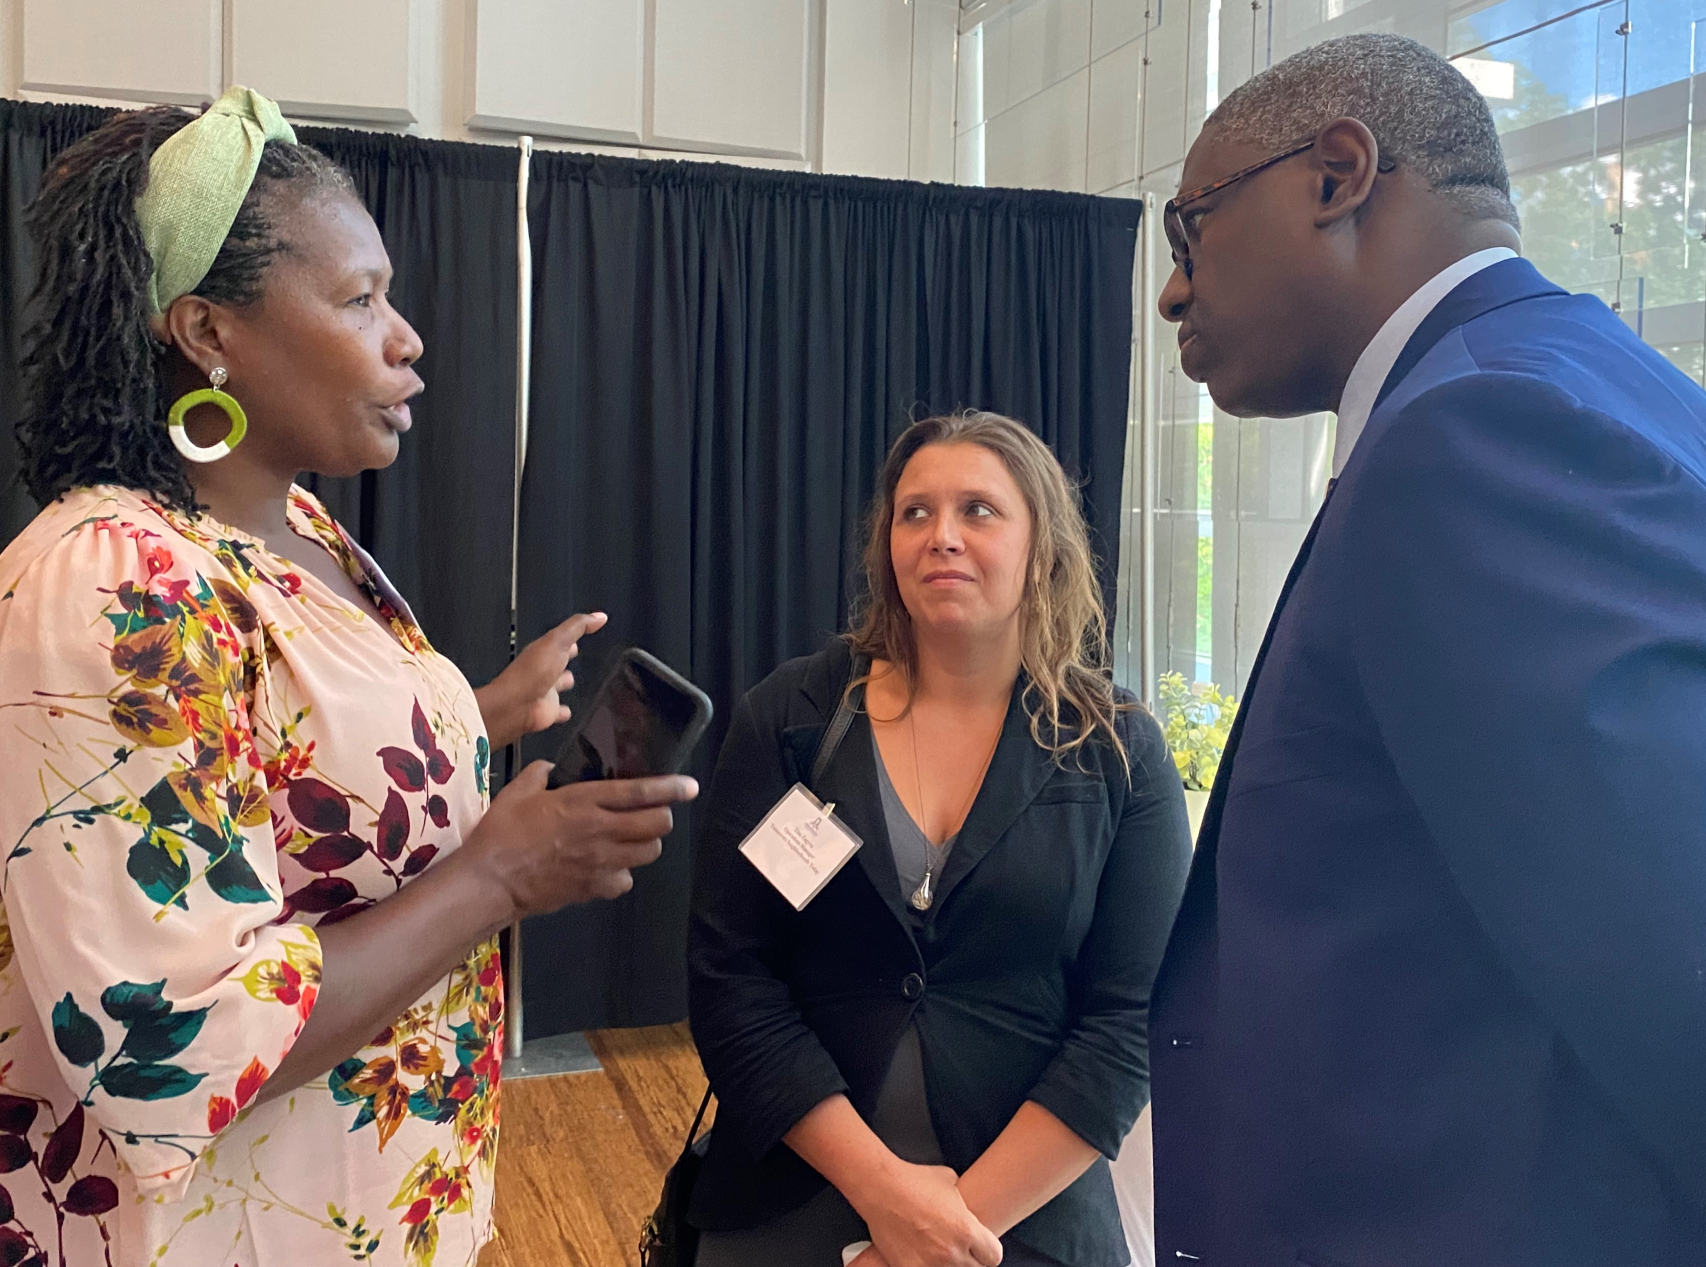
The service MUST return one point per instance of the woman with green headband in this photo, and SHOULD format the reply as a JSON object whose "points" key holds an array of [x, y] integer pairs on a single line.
{"points": [[250, 1002]]}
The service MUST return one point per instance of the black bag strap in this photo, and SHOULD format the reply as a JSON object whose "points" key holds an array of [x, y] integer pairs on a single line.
{"points": [[693, 1131], [833, 734]]}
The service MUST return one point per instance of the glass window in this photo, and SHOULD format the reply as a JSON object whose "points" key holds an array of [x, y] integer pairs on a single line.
{"points": [[1602, 108]]}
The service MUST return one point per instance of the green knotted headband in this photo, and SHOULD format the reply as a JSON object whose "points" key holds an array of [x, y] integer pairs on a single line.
{"points": [[197, 181]]}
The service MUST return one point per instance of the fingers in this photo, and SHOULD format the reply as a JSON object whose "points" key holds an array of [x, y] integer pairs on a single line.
{"points": [[566, 635], [547, 711], [544, 660], [612, 854], [986, 1246], [611, 885], [635, 827], [634, 794], [622, 861], [532, 779]]}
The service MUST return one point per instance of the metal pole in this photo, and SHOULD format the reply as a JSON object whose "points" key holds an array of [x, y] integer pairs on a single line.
{"points": [[514, 1035], [1148, 452]]}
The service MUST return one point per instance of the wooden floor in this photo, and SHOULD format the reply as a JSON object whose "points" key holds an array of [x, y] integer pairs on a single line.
{"points": [[583, 1154]]}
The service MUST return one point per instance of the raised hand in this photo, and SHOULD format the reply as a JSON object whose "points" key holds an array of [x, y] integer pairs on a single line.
{"points": [[525, 697]]}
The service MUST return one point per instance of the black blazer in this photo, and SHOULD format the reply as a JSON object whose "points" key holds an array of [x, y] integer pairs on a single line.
{"points": [[1029, 980]]}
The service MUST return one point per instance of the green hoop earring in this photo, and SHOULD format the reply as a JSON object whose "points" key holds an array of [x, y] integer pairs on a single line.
{"points": [[207, 396]]}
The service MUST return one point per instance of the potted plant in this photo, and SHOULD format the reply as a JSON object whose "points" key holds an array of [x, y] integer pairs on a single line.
{"points": [[1197, 718]]}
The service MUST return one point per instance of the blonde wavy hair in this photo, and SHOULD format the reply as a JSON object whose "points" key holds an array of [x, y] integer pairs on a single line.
{"points": [[1063, 629]]}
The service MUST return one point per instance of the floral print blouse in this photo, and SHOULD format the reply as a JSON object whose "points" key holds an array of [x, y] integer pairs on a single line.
{"points": [[205, 755]]}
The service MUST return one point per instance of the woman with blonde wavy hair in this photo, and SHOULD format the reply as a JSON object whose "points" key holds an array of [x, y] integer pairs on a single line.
{"points": [[930, 1064]]}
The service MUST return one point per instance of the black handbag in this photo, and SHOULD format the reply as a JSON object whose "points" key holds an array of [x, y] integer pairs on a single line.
{"points": [[667, 1239]]}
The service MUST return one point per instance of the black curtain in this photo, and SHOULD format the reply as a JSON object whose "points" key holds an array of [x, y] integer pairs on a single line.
{"points": [[439, 518], [721, 359], [30, 135]]}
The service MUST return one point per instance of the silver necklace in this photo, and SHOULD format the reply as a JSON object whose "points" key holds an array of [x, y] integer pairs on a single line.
{"points": [[925, 893]]}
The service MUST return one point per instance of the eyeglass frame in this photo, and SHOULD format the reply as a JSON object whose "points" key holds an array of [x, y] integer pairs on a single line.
{"points": [[1174, 226]]}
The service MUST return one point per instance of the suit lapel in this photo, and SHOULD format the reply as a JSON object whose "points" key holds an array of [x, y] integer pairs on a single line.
{"points": [[1507, 282], [859, 804], [1016, 774], [1209, 836]]}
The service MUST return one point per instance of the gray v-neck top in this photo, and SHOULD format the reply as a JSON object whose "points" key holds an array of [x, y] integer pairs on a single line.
{"points": [[911, 847]]}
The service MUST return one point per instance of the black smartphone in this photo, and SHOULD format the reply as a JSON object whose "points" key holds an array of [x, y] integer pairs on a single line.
{"points": [[644, 720]]}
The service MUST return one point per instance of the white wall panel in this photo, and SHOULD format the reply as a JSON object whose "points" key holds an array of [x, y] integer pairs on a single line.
{"points": [[1040, 143], [732, 75], [326, 59], [1048, 40], [572, 68], [164, 50], [761, 80], [934, 38], [9, 25], [1168, 113], [867, 87], [1118, 21], [1115, 95]]}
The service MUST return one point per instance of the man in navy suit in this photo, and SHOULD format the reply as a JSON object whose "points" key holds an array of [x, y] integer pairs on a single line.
{"points": [[1437, 993]]}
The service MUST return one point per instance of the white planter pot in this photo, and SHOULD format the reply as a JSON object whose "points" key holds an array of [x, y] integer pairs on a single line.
{"points": [[1195, 804]]}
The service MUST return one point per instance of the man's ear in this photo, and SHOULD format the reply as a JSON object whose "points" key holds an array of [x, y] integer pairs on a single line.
{"points": [[197, 327], [1345, 159]]}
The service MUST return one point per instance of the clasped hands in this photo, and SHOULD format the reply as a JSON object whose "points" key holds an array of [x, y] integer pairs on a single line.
{"points": [[917, 1217]]}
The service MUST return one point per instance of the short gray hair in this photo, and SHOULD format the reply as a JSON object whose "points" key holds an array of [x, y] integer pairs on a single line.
{"points": [[1421, 109]]}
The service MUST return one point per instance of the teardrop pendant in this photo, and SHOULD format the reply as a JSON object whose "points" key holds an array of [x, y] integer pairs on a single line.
{"points": [[922, 895]]}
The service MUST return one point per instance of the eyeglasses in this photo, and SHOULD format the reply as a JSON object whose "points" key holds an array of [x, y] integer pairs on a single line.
{"points": [[1174, 223]]}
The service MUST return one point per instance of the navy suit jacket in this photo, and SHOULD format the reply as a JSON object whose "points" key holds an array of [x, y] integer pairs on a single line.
{"points": [[1437, 991]]}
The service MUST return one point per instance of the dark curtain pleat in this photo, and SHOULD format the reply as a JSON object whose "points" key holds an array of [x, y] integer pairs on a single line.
{"points": [[722, 358], [30, 135]]}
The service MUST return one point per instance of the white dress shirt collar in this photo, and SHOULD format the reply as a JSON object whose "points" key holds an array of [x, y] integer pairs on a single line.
{"points": [[1368, 375]]}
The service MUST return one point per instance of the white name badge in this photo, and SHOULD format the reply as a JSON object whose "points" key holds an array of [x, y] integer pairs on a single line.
{"points": [[800, 846]]}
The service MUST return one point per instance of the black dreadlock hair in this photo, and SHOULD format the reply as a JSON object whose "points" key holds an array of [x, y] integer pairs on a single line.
{"points": [[92, 373]]}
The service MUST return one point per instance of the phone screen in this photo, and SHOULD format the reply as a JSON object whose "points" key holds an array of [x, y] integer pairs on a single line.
{"points": [[635, 729]]}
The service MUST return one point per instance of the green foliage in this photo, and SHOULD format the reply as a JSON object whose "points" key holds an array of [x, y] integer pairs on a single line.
{"points": [[76, 1034], [155, 1031], [1198, 719]]}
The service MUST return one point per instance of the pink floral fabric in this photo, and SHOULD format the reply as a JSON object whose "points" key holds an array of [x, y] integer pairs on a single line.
{"points": [[205, 755]]}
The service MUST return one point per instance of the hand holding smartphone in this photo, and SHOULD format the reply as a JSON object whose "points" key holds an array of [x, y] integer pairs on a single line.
{"points": [[645, 720]]}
